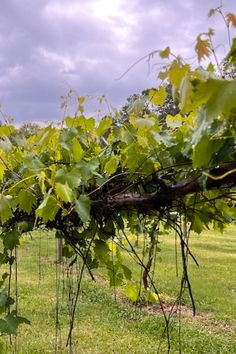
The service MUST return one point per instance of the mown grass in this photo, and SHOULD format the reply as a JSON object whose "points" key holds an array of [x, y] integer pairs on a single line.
{"points": [[105, 326]]}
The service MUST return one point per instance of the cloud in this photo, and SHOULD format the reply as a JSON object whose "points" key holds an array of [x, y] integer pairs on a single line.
{"points": [[50, 46]]}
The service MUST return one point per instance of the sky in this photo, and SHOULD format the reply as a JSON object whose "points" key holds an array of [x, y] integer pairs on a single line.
{"points": [[48, 47]]}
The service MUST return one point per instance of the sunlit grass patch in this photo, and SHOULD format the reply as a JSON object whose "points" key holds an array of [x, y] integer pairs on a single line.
{"points": [[104, 325]]}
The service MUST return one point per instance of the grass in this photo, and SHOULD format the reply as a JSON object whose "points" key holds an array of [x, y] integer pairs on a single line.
{"points": [[105, 326]]}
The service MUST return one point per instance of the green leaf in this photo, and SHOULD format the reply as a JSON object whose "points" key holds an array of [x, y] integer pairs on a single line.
{"points": [[26, 200], [87, 169], [8, 325], [78, 152], [197, 224], [111, 165], [204, 151], [11, 322], [231, 56], [116, 278], [71, 177], [32, 163], [218, 96], [133, 157], [108, 230], [144, 123], [102, 250], [137, 107], [104, 125], [64, 192], [5, 207], [67, 251], [3, 298], [82, 207], [11, 239], [48, 209], [127, 272], [25, 226]]}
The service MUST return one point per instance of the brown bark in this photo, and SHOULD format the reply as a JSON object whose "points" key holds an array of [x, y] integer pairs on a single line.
{"points": [[163, 198]]}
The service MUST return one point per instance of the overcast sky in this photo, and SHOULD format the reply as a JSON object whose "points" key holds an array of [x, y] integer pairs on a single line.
{"points": [[48, 47]]}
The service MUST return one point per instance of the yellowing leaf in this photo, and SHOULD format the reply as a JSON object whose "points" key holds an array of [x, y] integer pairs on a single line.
{"points": [[231, 19], [6, 130], [151, 297], [132, 292], [2, 170], [81, 100], [203, 48], [165, 53], [157, 97], [142, 141], [163, 75], [177, 73], [174, 121]]}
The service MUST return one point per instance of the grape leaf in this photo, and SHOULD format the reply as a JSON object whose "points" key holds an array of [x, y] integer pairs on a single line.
{"points": [[5, 208], [104, 125], [26, 200], [10, 323], [78, 152], [111, 165], [203, 48], [231, 19], [82, 207], [48, 209], [218, 96], [11, 239], [165, 53], [64, 192], [157, 97]]}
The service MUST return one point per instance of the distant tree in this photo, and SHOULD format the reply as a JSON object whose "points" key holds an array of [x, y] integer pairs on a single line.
{"points": [[142, 102], [228, 70], [24, 132]]}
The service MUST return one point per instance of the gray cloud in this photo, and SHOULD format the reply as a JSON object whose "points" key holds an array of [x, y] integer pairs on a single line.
{"points": [[46, 47]]}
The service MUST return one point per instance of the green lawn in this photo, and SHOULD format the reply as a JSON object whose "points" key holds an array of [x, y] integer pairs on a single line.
{"points": [[106, 326]]}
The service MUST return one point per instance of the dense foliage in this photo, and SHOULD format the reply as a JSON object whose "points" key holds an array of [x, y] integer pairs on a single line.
{"points": [[94, 182]]}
